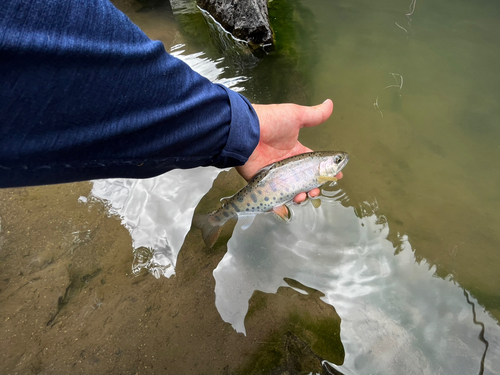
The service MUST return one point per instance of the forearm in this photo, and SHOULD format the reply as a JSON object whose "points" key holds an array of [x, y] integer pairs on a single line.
{"points": [[84, 94]]}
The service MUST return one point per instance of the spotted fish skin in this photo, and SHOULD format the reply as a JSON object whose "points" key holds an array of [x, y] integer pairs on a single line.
{"points": [[274, 186]]}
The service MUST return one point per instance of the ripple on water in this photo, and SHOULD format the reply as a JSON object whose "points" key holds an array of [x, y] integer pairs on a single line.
{"points": [[397, 316], [158, 211]]}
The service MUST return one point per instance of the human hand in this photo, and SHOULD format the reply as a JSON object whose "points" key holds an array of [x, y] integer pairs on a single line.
{"points": [[279, 132]]}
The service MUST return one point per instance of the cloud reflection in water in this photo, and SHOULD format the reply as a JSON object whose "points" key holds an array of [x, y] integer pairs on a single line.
{"points": [[397, 316], [158, 211]]}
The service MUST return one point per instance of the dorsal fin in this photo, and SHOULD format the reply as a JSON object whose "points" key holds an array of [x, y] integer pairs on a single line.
{"points": [[264, 169], [261, 174]]}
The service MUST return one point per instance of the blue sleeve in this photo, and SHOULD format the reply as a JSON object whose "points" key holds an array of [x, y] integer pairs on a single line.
{"points": [[85, 94]]}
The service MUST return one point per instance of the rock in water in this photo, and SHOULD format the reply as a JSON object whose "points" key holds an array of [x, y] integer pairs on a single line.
{"points": [[245, 19]]}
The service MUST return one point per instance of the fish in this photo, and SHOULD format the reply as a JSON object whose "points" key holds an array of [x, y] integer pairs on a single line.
{"points": [[272, 187]]}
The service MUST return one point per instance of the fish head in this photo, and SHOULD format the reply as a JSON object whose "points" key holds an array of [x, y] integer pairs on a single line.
{"points": [[333, 164]]}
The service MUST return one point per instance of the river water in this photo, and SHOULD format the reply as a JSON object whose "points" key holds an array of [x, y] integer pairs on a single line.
{"points": [[397, 272], [413, 85], [405, 247]]}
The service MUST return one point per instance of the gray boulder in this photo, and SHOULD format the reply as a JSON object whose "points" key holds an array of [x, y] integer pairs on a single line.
{"points": [[245, 19]]}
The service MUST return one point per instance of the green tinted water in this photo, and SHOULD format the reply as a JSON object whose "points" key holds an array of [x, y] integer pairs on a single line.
{"points": [[428, 153], [415, 87], [415, 106]]}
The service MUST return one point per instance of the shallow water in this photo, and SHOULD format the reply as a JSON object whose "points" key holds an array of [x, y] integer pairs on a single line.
{"points": [[395, 273], [413, 86], [396, 316]]}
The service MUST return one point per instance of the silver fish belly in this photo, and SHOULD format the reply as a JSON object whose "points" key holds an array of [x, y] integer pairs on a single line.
{"points": [[274, 186]]}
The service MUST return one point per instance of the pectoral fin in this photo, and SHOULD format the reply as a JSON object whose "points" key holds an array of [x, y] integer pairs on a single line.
{"points": [[282, 212], [324, 179], [316, 202]]}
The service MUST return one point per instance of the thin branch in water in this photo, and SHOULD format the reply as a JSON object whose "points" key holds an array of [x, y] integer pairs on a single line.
{"points": [[412, 9], [408, 15], [375, 105], [401, 27], [399, 84]]}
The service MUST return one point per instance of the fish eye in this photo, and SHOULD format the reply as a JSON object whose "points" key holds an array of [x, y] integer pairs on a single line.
{"points": [[337, 159]]}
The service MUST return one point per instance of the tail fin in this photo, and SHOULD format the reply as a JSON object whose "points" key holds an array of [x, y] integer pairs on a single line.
{"points": [[209, 230]]}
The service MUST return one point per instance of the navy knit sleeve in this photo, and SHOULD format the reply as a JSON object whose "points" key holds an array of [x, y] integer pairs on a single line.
{"points": [[85, 94]]}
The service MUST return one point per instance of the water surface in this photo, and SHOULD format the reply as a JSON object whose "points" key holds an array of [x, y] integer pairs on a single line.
{"points": [[413, 85], [396, 271]]}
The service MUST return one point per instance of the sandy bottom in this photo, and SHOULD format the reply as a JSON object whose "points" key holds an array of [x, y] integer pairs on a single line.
{"points": [[70, 303]]}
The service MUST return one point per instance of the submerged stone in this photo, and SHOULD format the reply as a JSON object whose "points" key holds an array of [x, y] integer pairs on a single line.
{"points": [[247, 20]]}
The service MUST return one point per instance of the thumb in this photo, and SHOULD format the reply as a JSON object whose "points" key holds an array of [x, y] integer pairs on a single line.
{"points": [[317, 114]]}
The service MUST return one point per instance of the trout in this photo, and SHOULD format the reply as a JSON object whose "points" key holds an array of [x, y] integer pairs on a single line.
{"points": [[272, 187]]}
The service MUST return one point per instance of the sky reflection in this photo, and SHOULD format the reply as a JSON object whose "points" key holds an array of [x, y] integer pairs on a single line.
{"points": [[397, 316], [158, 211]]}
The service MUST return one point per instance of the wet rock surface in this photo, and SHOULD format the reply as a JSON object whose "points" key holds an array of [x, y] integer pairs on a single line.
{"points": [[246, 20]]}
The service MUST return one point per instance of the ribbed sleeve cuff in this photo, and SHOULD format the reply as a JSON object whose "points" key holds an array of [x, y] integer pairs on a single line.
{"points": [[244, 132]]}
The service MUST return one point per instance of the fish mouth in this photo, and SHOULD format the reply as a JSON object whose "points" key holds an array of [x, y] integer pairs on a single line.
{"points": [[343, 163]]}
